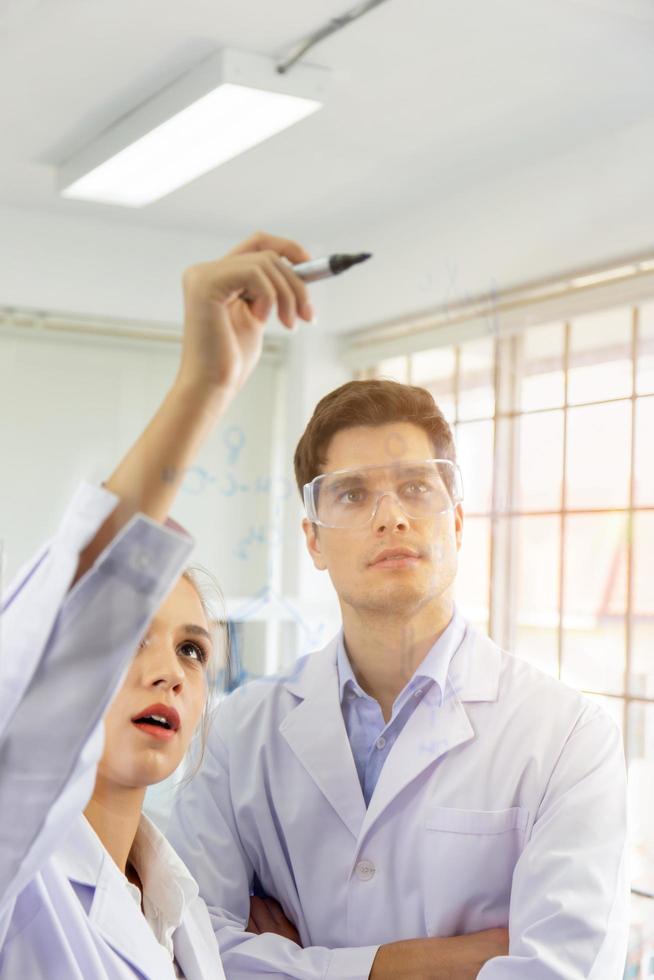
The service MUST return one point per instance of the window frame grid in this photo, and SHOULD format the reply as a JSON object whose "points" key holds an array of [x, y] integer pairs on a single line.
{"points": [[500, 557]]}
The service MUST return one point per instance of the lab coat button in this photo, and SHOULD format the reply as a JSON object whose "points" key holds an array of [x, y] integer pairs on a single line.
{"points": [[365, 870], [141, 561]]}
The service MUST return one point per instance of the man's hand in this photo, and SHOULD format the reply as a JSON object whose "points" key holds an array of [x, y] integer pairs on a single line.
{"points": [[227, 303], [452, 958], [267, 915]]}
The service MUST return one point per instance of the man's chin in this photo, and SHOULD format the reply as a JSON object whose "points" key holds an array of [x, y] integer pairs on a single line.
{"points": [[397, 599]]}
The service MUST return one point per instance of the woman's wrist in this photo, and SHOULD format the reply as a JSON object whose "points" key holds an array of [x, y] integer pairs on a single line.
{"points": [[206, 398]]}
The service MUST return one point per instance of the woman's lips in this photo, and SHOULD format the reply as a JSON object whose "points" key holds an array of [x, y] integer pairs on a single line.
{"points": [[155, 731], [159, 720]]}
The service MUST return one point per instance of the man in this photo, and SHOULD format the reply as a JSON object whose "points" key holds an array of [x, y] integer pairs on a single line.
{"points": [[411, 790]]}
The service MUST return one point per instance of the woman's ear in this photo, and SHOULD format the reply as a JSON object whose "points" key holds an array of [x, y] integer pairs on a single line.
{"points": [[313, 544]]}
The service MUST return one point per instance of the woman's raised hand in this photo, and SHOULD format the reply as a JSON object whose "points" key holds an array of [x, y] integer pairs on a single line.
{"points": [[227, 303]]}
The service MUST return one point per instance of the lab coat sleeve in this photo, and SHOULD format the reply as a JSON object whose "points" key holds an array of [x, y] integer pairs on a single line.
{"points": [[33, 600], [204, 832], [569, 910], [63, 658]]}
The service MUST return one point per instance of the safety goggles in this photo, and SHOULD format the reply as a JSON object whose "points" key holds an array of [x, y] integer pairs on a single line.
{"points": [[350, 498]]}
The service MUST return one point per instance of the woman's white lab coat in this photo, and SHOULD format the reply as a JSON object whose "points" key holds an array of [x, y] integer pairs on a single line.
{"points": [[65, 911]]}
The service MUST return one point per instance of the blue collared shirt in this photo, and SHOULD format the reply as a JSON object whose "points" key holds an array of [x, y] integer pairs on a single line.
{"points": [[371, 738]]}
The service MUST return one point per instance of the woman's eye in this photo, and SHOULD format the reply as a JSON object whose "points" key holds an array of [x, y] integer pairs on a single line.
{"points": [[193, 651]]}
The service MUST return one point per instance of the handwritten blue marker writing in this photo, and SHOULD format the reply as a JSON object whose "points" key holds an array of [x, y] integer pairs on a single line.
{"points": [[234, 439]]}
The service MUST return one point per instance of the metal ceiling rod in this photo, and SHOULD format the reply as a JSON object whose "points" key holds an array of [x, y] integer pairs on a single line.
{"points": [[334, 25]]}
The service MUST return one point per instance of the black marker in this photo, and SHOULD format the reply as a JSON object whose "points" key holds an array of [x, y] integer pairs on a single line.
{"points": [[330, 266]]}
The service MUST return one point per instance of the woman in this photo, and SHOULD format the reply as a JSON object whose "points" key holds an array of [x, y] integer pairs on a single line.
{"points": [[88, 888]]}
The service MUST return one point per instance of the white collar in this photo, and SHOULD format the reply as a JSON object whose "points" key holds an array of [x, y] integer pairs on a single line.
{"points": [[474, 673], [167, 884], [434, 666]]}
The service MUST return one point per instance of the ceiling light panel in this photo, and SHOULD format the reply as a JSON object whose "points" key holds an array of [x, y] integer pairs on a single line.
{"points": [[227, 105]]}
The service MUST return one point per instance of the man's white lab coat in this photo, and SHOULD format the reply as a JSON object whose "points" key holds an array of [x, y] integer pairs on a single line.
{"points": [[504, 805]]}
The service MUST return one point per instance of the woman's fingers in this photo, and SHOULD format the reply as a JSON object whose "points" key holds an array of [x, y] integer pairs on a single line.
{"points": [[265, 281], [286, 299], [234, 277], [302, 301], [226, 304], [243, 277], [261, 241], [259, 292], [293, 298]]}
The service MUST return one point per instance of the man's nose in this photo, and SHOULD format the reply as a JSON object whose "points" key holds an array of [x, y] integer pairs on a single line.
{"points": [[389, 513]]}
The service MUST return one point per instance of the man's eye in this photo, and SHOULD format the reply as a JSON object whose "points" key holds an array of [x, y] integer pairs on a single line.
{"points": [[353, 496], [417, 487], [193, 651]]}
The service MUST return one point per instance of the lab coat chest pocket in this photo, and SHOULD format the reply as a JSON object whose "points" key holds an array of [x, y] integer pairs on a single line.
{"points": [[468, 861]]}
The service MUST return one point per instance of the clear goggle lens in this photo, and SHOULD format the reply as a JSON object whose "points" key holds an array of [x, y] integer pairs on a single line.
{"points": [[350, 498]]}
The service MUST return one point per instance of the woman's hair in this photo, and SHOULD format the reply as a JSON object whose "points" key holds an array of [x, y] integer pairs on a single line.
{"points": [[219, 665], [373, 402]]}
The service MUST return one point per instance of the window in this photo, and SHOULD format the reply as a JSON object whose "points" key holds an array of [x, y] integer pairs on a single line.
{"points": [[553, 426]]}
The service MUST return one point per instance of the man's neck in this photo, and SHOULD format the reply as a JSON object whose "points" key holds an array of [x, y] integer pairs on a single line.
{"points": [[386, 650], [114, 813]]}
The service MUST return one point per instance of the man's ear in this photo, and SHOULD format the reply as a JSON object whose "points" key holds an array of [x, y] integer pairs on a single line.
{"points": [[313, 544], [458, 525]]}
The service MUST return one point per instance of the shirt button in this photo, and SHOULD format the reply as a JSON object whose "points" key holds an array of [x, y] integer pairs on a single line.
{"points": [[365, 870], [417, 694], [381, 742]]}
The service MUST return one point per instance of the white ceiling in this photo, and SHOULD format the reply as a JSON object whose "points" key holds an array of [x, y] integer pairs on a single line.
{"points": [[430, 96]]}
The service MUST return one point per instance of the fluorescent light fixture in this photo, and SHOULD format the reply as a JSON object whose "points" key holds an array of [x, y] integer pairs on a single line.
{"points": [[228, 104]]}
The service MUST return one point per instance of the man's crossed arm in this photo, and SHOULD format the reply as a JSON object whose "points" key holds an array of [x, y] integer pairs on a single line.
{"points": [[460, 957]]}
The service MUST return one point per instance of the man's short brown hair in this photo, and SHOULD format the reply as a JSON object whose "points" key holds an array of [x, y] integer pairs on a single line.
{"points": [[374, 402]]}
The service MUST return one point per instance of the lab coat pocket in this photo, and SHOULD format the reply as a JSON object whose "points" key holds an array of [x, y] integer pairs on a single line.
{"points": [[468, 862]]}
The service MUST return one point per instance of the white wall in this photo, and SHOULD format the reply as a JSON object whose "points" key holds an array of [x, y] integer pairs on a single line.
{"points": [[101, 268], [576, 209]]}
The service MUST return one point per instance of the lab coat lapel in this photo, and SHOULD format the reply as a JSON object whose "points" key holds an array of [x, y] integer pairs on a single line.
{"points": [[315, 731], [436, 726], [431, 731], [84, 860], [129, 934], [197, 962]]}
